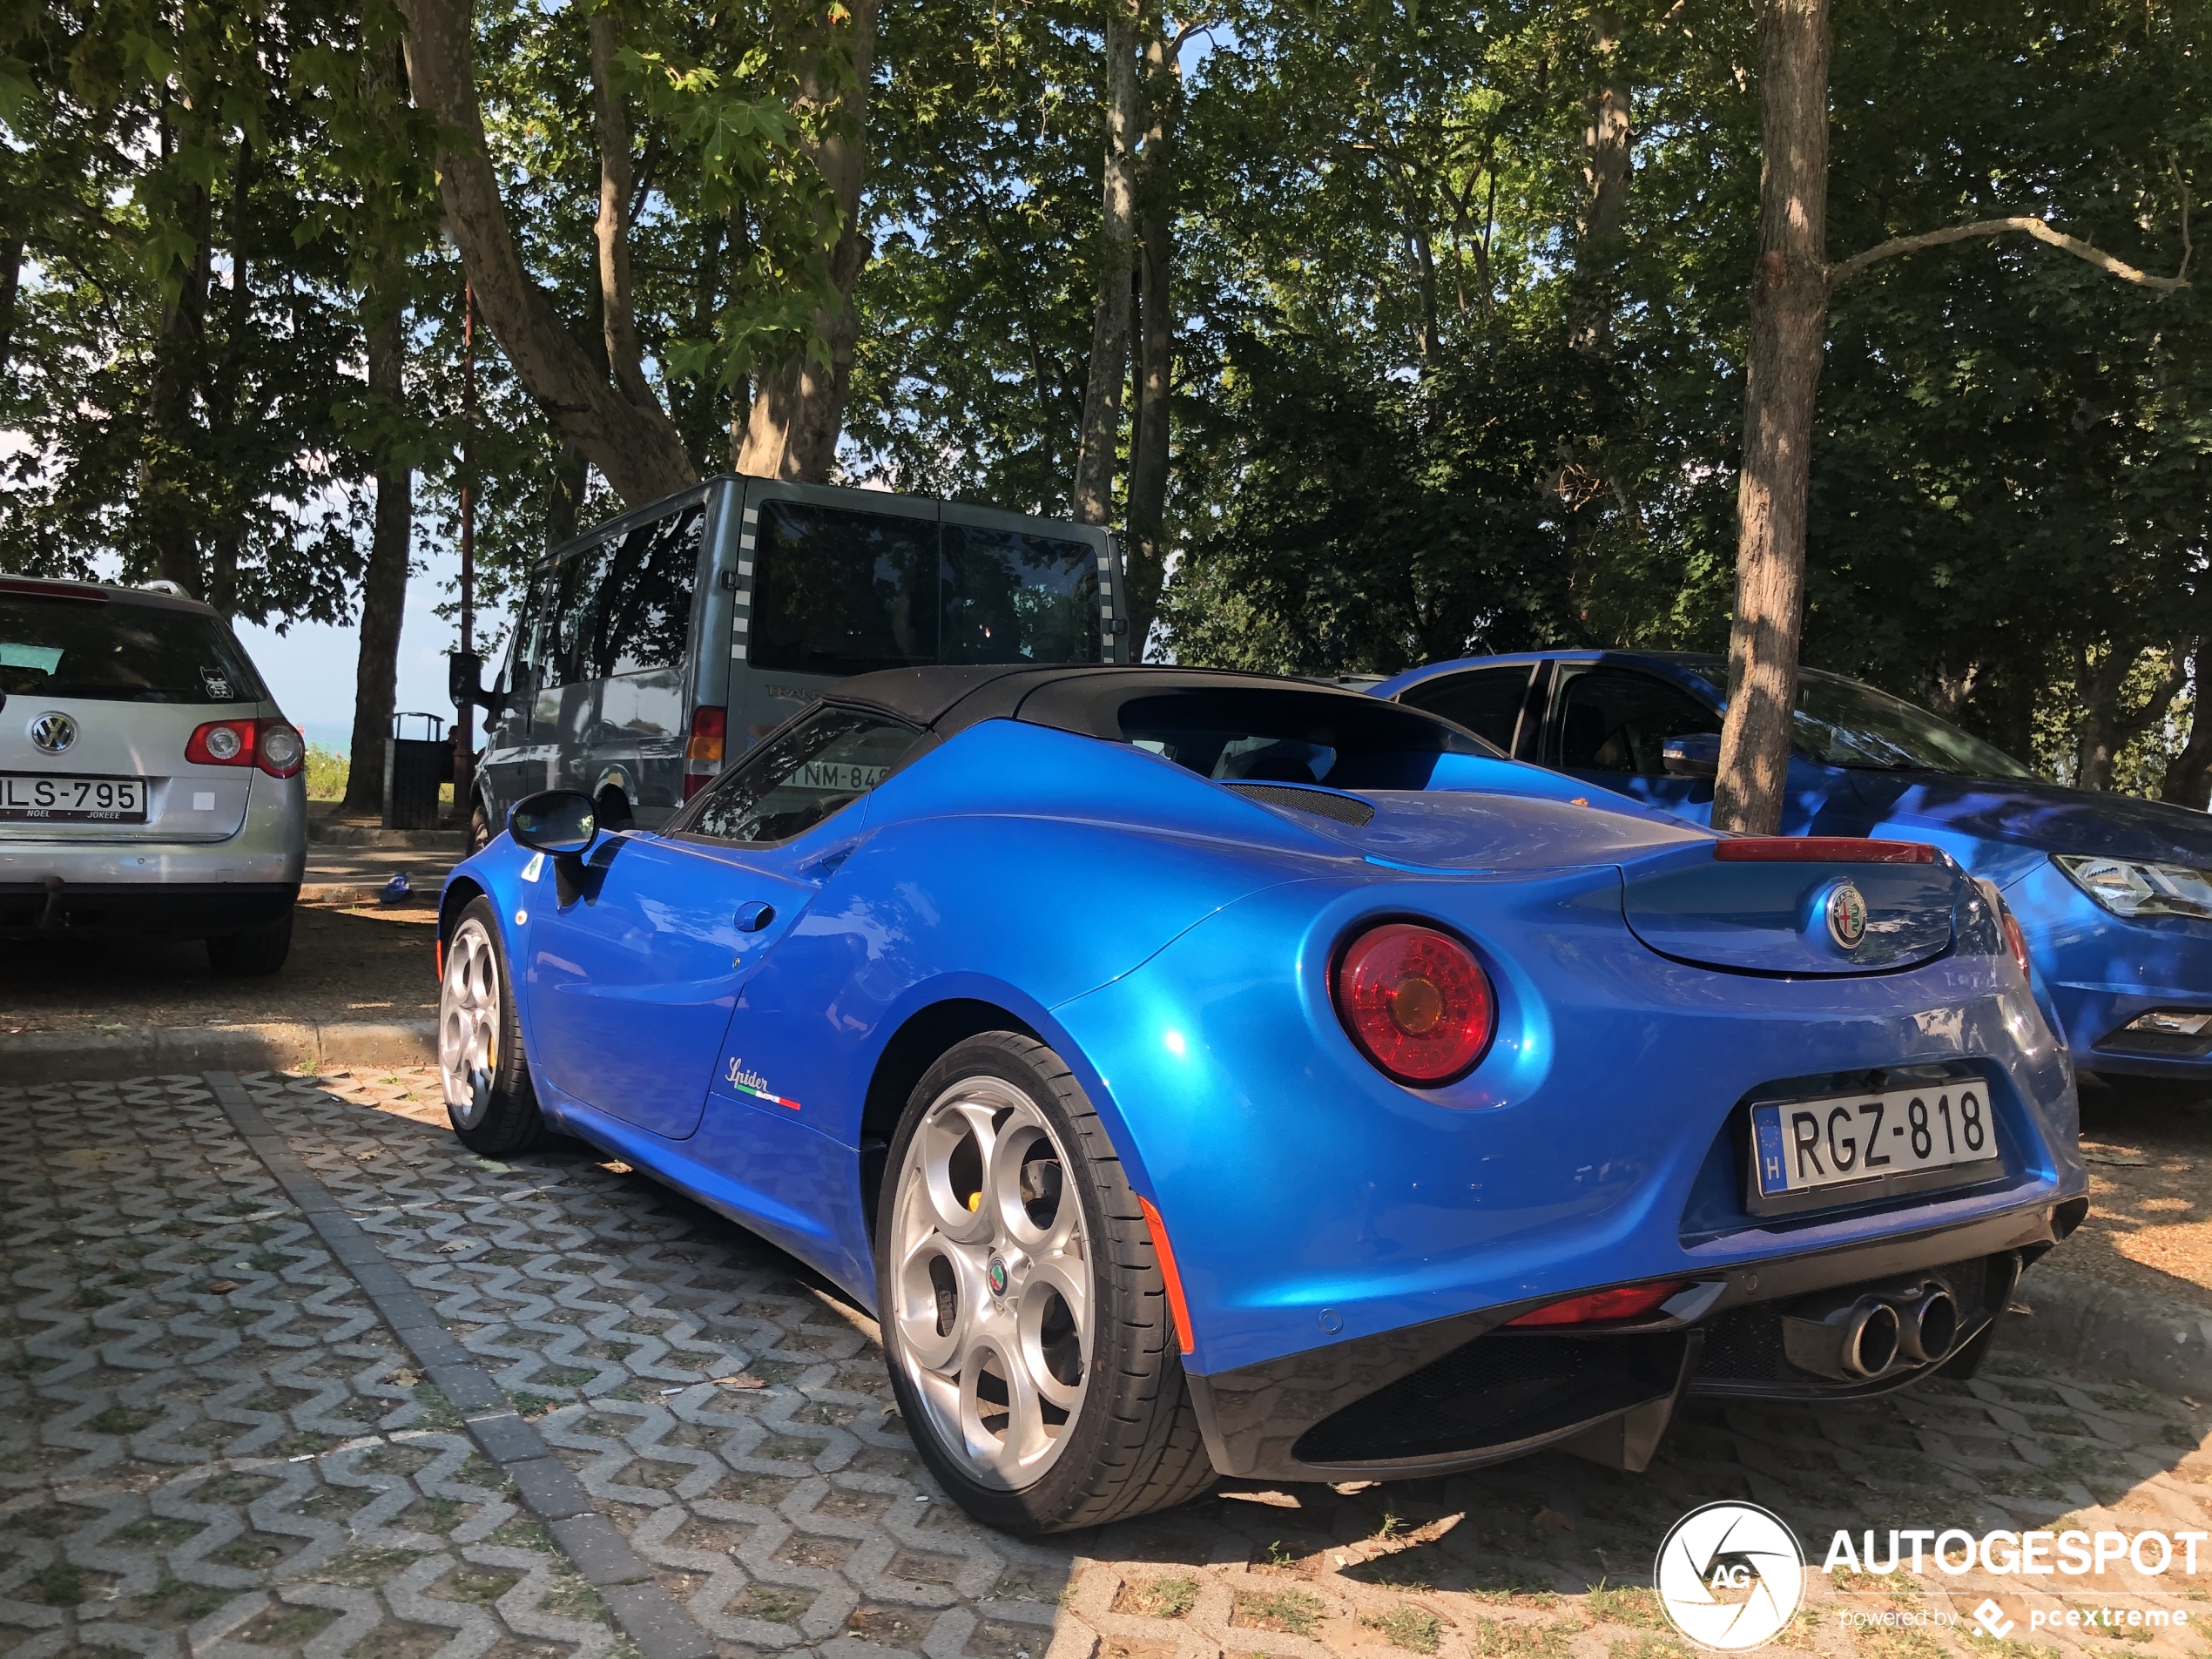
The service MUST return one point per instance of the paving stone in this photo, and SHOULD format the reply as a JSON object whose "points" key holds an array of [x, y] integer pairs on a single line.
{"points": [[149, 1422]]}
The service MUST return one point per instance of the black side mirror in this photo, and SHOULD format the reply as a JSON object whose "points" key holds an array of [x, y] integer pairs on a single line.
{"points": [[561, 822], [1697, 755], [464, 684]]}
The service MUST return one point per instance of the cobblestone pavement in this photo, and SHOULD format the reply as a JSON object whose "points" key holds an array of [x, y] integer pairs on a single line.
{"points": [[210, 1445]]}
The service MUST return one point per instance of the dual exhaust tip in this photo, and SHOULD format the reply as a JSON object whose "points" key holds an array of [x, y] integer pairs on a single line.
{"points": [[1857, 1337]]}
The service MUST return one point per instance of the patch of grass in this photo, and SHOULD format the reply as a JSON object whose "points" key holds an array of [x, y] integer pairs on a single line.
{"points": [[1651, 1647], [1414, 1628], [284, 1625], [1163, 1598], [1511, 1584], [571, 1598], [364, 1569], [523, 1535], [1501, 1639], [49, 1521], [59, 1584], [435, 1514], [1293, 1612], [776, 1607], [233, 1487], [172, 1604], [483, 1585], [328, 772], [531, 1406], [1279, 1556], [1629, 1604], [156, 1529], [121, 1419], [437, 1410], [1393, 1525]]}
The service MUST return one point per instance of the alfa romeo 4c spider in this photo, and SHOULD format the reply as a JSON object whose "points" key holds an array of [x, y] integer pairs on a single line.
{"points": [[1203, 1074]]}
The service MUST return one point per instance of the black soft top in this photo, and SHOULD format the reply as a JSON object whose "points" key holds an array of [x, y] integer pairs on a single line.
{"points": [[1085, 698]]}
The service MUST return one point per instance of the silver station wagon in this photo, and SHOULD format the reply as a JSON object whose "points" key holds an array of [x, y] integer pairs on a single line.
{"points": [[148, 785]]}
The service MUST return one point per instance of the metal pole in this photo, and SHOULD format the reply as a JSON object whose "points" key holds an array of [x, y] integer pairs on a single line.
{"points": [[464, 741]]}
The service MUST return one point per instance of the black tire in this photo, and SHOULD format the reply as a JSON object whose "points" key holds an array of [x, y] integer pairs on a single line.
{"points": [[1132, 1445], [255, 951], [479, 830], [482, 1069]]}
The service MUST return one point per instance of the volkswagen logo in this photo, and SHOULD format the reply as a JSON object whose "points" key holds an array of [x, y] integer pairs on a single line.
{"points": [[53, 731], [1846, 910]]}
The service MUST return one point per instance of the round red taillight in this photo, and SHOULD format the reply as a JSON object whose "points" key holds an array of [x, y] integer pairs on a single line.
{"points": [[1416, 1001]]}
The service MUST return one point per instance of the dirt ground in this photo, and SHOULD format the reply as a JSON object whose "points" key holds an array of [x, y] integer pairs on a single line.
{"points": [[2150, 1194], [344, 964]]}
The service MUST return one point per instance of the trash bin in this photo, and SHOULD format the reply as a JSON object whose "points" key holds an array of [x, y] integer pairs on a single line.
{"points": [[413, 767]]}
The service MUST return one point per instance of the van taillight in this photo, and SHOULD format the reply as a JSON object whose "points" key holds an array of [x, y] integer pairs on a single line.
{"points": [[702, 754]]}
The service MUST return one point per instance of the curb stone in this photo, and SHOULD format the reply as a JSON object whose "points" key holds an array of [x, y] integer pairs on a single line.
{"points": [[2126, 1334], [156, 1050]]}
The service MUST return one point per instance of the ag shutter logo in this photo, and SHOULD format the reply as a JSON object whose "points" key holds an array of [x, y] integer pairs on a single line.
{"points": [[1730, 1576]]}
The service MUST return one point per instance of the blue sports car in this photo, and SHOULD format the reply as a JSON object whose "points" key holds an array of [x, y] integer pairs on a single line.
{"points": [[1204, 1073], [2114, 893]]}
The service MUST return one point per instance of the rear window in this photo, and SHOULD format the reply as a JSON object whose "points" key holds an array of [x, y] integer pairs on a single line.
{"points": [[813, 770], [845, 592], [118, 652], [1240, 735]]}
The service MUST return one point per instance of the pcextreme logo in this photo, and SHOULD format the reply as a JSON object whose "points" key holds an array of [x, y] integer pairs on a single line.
{"points": [[1730, 1576]]}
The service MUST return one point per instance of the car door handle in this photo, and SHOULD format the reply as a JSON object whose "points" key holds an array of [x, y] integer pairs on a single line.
{"points": [[751, 917]]}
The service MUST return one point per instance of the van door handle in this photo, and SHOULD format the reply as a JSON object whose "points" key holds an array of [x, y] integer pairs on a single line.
{"points": [[751, 917]]}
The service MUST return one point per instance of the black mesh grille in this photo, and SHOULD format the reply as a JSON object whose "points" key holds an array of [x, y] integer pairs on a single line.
{"points": [[1744, 1344], [1499, 1389], [1343, 808]]}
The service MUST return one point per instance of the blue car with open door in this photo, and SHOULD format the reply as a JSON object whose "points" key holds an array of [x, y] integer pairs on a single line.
{"points": [[2113, 894], [1200, 1072]]}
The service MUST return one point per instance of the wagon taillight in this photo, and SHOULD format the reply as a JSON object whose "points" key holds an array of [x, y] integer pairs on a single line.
{"points": [[702, 754], [1416, 1001]]}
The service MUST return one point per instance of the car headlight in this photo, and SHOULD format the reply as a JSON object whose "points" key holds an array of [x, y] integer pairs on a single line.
{"points": [[2129, 888]]}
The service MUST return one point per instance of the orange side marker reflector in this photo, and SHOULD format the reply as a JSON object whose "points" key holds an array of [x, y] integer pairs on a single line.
{"points": [[1176, 1305], [442, 962]]}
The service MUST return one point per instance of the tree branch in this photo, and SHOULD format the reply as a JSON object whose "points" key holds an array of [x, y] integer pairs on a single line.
{"points": [[2035, 227]]}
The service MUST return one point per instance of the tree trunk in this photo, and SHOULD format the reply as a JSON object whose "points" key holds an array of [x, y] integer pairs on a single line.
{"points": [[2188, 777], [798, 408], [224, 389], [2106, 727], [1093, 499], [1788, 328], [564, 496], [636, 449], [167, 473], [1146, 550], [376, 671], [618, 320], [1607, 153], [10, 285]]}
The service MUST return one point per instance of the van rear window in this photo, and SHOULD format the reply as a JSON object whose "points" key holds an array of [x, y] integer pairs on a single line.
{"points": [[118, 652], [843, 592]]}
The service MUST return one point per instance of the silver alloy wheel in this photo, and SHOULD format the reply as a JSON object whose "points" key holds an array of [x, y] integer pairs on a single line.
{"points": [[990, 1281], [469, 1015]]}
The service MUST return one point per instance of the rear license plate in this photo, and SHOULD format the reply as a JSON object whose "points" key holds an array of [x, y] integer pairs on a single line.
{"points": [[49, 798], [1805, 1146]]}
